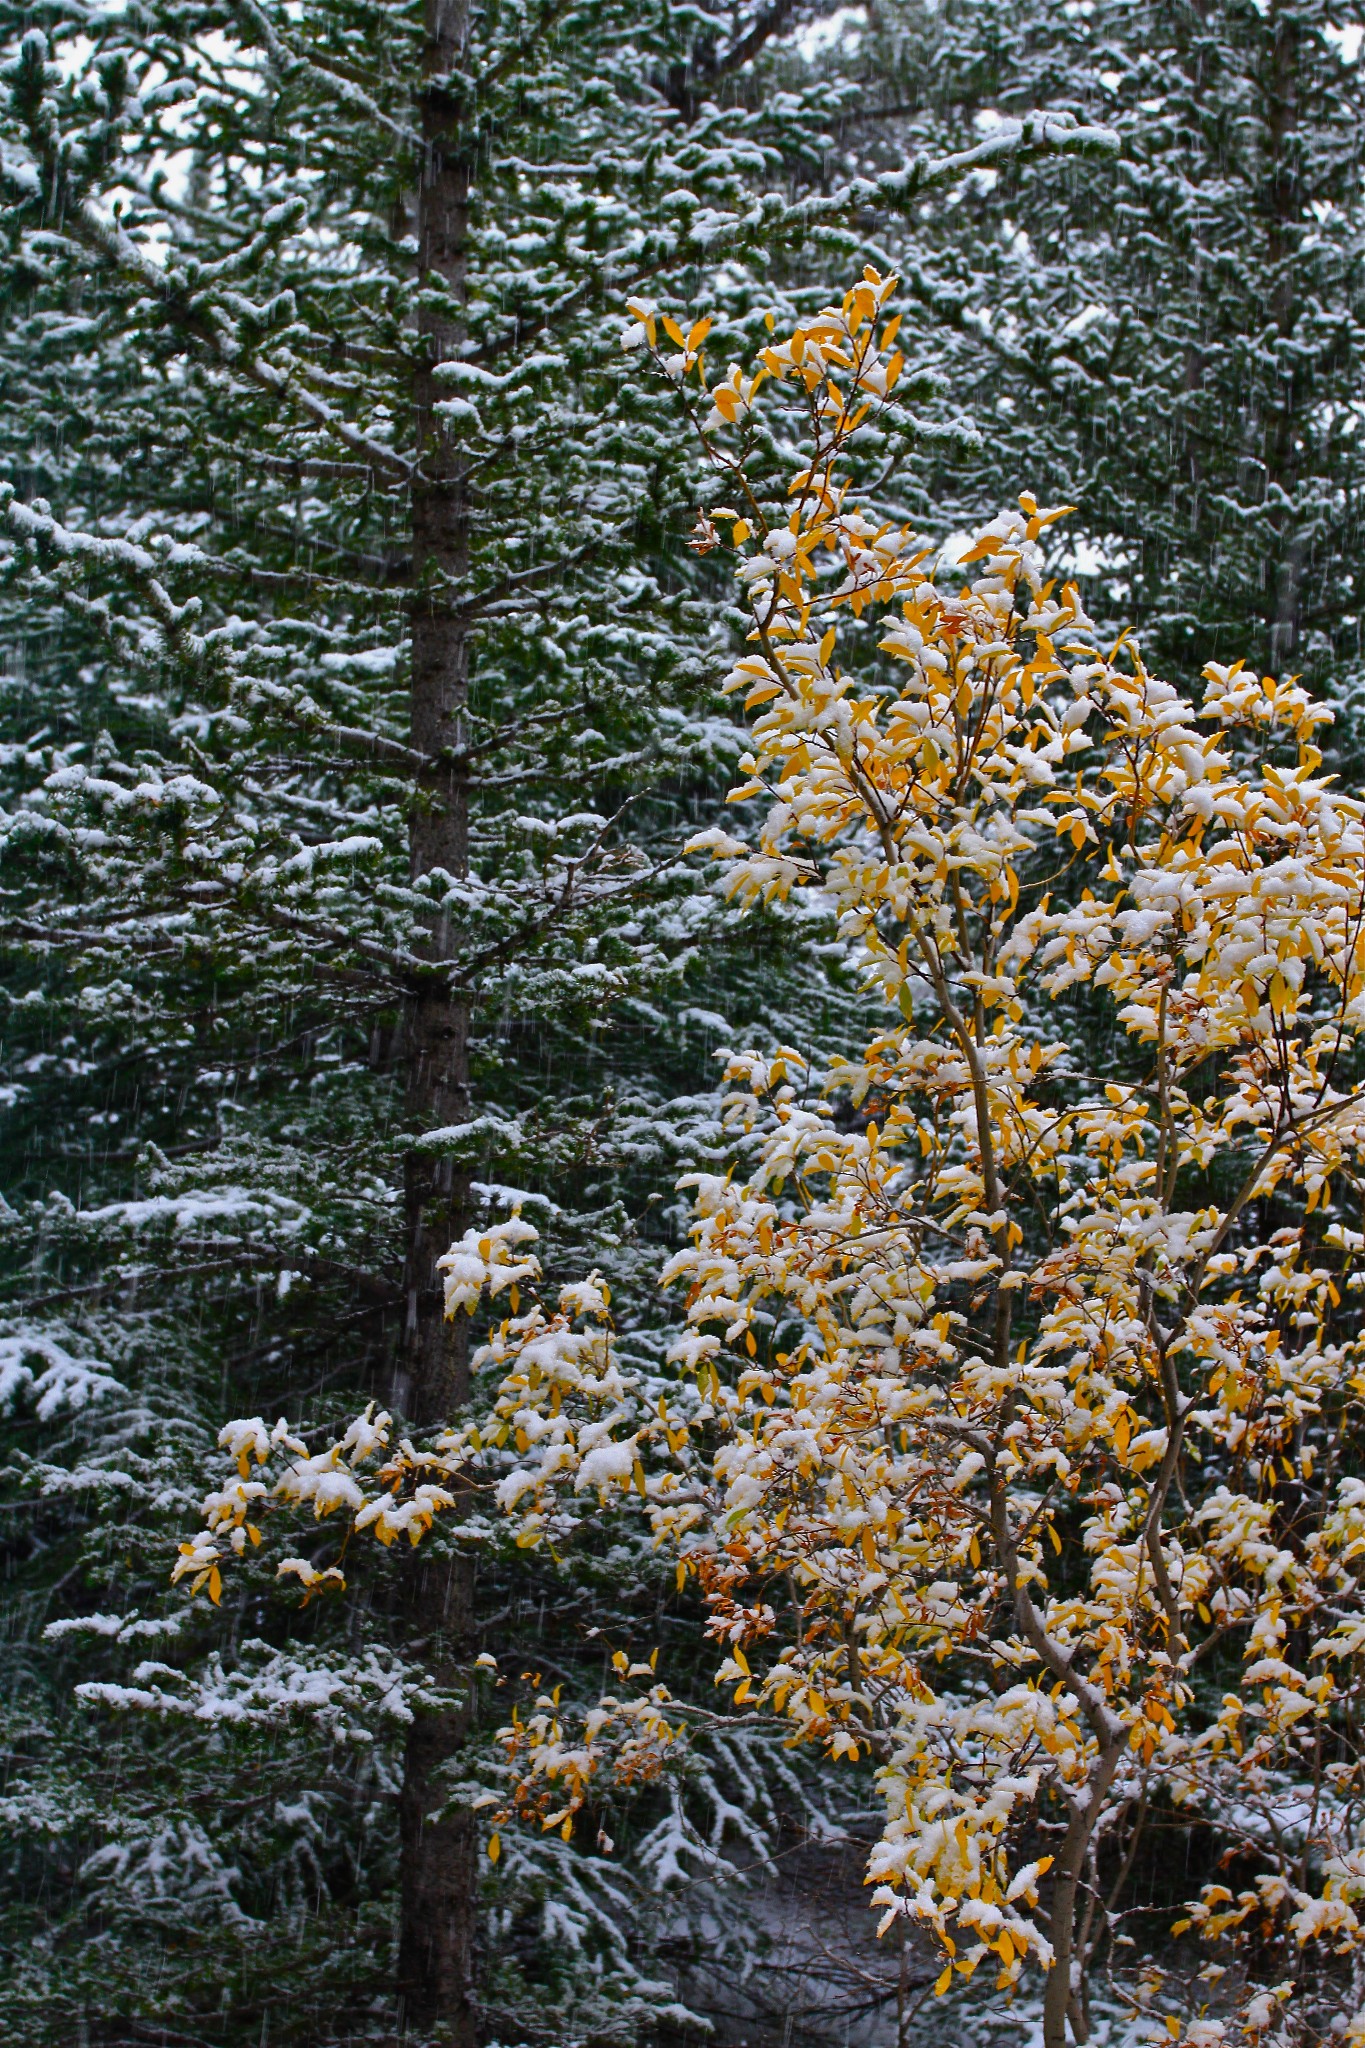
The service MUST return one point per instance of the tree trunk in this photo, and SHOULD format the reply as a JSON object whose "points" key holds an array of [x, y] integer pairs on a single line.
{"points": [[1284, 206], [1065, 1992], [1059, 1996], [439, 1849]]}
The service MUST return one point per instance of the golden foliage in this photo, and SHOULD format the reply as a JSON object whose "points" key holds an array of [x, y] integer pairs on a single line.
{"points": [[1014, 1397]]}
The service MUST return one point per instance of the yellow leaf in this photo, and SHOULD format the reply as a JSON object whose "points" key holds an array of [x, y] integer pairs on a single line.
{"points": [[638, 1475], [699, 331], [869, 1549], [494, 1848], [741, 531], [827, 646], [567, 1828], [944, 1981], [1056, 1539], [725, 402], [749, 1344], [974, 1550], [673, 331], [1121, 1432], [1172, 2027], [215, 1585]]}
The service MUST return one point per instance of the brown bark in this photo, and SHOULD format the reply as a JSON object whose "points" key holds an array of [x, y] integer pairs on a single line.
{"points": [[439, 1875], [1065, 1994], [439, 1848], [1283, 203]]}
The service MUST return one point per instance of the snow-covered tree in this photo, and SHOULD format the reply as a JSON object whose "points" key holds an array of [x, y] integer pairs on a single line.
{"points": [[1013, 1430], [355, 721], [1174, 348]]}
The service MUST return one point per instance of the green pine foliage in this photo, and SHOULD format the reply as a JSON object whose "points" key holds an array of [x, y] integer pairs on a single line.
{"points": [[1174, 348], [213, 356], [211, 342]]}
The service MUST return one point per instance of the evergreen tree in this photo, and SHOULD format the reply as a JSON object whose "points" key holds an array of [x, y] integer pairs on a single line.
{"points": [[356, 713], [1174, 347]]}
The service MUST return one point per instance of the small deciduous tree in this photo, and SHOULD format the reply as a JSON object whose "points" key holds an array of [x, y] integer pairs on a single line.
{"points": [[1014, 1433]]}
